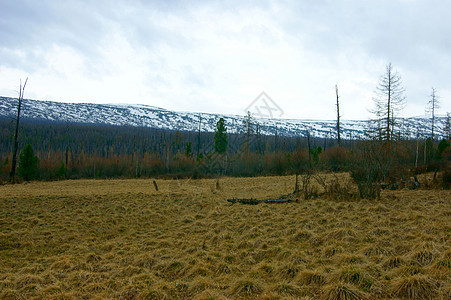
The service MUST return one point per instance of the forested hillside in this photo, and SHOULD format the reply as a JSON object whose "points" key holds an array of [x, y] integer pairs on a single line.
{"points": [[71, 150]]}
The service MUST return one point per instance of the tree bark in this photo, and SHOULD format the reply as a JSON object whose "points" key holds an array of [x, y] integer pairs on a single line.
{"points": [[12, 174]]}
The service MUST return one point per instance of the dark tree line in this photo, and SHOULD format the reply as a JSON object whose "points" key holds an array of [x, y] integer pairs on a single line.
{"points": [[91, 151], [85, 150]]}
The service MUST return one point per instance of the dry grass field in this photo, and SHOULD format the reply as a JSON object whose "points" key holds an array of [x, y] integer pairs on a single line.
{"points": [[122, 239]]}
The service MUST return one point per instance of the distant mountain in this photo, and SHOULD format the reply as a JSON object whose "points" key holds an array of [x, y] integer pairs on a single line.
{"points": [[154, 117]]}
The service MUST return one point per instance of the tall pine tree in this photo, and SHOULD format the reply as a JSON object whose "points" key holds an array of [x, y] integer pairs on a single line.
{"points": [[221, 137]]}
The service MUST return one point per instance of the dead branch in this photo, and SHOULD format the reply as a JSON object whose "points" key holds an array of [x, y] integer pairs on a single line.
{"points": [[253, 201]]}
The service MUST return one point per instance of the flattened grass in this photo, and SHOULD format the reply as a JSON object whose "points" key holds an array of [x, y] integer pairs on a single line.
{"points": [[123, 239]]}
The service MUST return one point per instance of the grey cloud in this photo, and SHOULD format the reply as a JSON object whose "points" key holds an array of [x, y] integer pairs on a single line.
{"points": [[384, 28], [33, 27], [81, 25], [42, 22], [414, 35]]}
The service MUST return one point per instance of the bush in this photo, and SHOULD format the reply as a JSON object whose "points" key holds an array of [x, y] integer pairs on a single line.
{"points": [[5, 167], [368, 171], [442, 146], [61, 173], [377, 163], [444, 152], [336, 159], [299, 161], [446, 178]]}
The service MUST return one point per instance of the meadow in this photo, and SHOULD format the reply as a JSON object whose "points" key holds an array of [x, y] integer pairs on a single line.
{"points": [[122, 239]]}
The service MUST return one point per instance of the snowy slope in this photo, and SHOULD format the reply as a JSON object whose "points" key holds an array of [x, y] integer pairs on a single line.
{"points": [[149, 116]]}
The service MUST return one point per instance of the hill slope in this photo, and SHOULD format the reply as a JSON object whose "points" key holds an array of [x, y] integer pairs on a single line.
{"points": [[154, 117]]}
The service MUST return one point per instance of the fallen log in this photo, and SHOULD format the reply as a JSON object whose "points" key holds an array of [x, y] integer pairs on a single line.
{"points": [[253, 201]]}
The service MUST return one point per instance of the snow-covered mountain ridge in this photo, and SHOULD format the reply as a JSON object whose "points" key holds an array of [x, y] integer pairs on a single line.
{"points": [[154, 117]]}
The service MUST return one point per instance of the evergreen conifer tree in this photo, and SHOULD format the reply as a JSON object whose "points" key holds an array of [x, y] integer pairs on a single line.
{"points": [[221, 137], [28, 163]]}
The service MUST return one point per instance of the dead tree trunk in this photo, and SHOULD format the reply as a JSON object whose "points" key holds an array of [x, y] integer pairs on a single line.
{"points": [[309, 149], [433, 105], [296, 185], [12, 174], [198, 136], [416, 156], [425, 152], [338, 117]]}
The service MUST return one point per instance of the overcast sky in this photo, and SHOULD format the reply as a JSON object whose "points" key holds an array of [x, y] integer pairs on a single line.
{"points": [[218, 56]]}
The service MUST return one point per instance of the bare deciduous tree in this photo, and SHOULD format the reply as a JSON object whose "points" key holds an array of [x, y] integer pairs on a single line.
{"points": [[433, 104], [389, 101], [12, 174]]}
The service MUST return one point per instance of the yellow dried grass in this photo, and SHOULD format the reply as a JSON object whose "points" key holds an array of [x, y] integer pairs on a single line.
{"points": [[121, 238]]}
